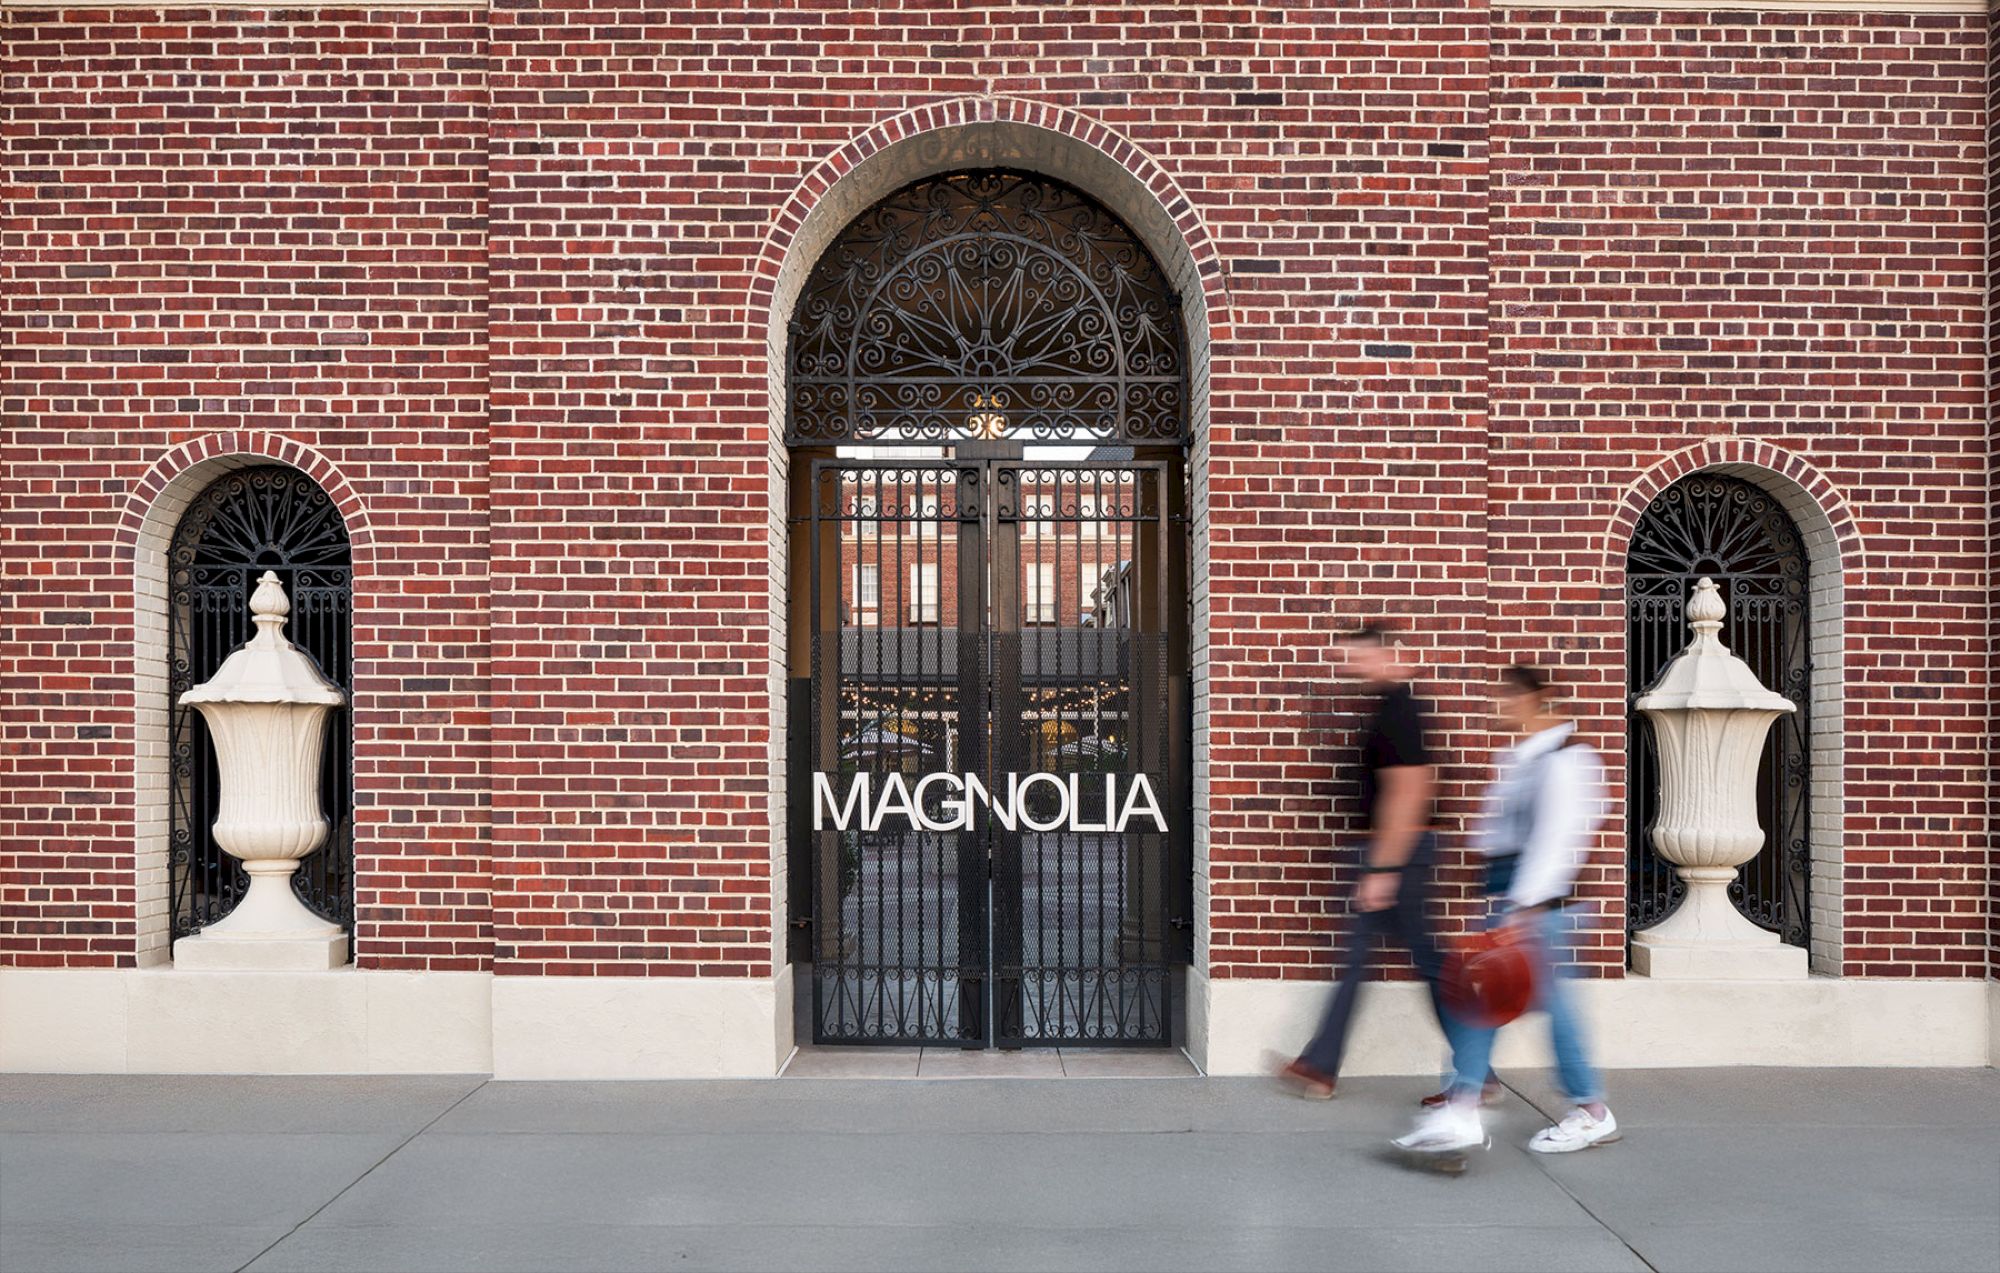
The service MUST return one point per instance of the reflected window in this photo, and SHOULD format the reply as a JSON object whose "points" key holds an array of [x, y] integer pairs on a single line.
{"points": [[924, 592]]}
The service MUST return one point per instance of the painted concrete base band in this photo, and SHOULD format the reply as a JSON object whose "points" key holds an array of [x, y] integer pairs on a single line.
{"points": [[173, 1021], [351, 1022], [1993, 1023], [1634, 1023], [640, 1027]]}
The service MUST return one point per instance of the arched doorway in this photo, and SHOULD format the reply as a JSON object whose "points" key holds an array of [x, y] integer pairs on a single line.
{"points": [[1737, 533], [267, 517], [989, 753]]}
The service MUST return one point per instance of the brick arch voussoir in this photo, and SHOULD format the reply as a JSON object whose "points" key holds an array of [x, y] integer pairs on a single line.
{"points": [[1724, 453], [958, 112], [249, 445]]}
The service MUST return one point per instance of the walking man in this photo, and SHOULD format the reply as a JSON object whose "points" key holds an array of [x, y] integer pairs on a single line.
{"points": [[1542, 813], [1397, 857]]}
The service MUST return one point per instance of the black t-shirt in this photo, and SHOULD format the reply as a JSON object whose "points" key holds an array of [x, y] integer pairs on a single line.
{"points": [[1394, 736]]}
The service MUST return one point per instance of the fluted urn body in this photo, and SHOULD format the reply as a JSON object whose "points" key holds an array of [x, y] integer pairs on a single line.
{"points": [[266, 709], [1709, 716]]}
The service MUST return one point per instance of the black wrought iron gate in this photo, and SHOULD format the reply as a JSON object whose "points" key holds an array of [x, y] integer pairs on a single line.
{"points": [[994, 757]]}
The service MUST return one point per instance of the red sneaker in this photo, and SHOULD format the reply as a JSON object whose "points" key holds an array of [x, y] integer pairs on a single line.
{"points": [[1488, 1095], [1308, 1082]]}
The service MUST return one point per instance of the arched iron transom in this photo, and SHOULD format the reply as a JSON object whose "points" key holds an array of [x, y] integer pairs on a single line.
{"points": [[1737, 534], [983, 305], [255, 519]]}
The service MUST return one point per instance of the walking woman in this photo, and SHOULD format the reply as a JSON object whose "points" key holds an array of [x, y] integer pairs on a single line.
{"points": [[1542, 814]]}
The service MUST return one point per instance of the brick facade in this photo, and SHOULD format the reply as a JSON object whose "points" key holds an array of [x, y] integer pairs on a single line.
{"points": [[248, 233], [1475, 283], [1992, 775], [1732, 226]]}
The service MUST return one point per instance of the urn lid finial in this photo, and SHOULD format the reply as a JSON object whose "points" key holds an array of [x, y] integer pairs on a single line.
{"points": [[269, 608], [268, 668], [1705, 610], [1706, 676]]}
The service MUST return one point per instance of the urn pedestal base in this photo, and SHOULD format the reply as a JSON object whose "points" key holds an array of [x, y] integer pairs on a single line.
{"points": [[1709, 961], [270, 930], [1708, 939], [209, 952]]}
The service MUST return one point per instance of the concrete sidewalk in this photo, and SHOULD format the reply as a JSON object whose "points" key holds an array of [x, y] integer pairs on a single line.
{"points": [[1719, 1169]]}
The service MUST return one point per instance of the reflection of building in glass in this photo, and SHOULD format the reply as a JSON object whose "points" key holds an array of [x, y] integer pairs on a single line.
{"points": [[1110, 602], [902, 543], [1060, 602]]}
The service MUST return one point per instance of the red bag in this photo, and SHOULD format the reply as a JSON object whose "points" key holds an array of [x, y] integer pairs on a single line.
{"points": [[1489, 980]]}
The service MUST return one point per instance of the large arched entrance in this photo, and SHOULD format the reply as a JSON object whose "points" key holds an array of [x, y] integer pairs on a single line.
{"points": [[989, 754]]}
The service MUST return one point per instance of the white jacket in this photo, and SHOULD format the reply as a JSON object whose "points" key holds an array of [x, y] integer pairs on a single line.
{"points": [[1566, 787]]}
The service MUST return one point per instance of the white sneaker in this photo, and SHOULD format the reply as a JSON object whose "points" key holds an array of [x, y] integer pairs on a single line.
{"points": [[1448, 1127], [1578, 1130]]}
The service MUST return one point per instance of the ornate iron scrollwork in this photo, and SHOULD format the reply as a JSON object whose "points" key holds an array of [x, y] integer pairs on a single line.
{"points": [[255, 519], [987, 303], [1738, 535]]}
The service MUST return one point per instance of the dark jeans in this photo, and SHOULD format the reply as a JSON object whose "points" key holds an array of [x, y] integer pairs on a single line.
{"points": [[1406, 922]]}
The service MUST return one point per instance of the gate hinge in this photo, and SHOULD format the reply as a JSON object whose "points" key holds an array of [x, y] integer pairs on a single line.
{"points": [[1181, 922], [802, 923]]}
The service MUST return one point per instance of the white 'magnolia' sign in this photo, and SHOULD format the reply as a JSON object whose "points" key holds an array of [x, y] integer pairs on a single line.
{"points": [[958, 795]]}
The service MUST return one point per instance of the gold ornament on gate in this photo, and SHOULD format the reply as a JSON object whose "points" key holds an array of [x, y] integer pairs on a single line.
{"points": [[986, 421]]}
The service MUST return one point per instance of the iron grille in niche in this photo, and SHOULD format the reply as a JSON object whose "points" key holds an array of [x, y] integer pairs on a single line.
{"points": [[1737, 534], [987, 304], [255, 519]]}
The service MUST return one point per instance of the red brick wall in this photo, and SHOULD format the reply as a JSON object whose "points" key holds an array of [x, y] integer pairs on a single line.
{"points": [[224, 221], [631, 621], [1734, 225], [1701, 226], [1992, 773], [1348, 460], [1335, 157]]}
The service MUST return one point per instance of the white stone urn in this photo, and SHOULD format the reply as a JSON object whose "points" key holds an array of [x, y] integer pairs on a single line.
{"points": [[266, 709], [1709, 716]]}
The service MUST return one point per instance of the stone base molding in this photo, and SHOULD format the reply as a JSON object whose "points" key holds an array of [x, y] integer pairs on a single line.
{"points": [[1236, 1027], [207, 951], [1993, 1022], [175, 1021], [346, 1021], [1715, 961], [641, 1027], [166, 1021]]}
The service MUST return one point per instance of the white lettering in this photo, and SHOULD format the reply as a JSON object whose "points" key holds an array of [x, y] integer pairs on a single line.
{"points": [[1141, 787], [1062, 802], [895, 791], [960, 809], [975, 790], [1076, 804], [959, 795], [857, 793]]}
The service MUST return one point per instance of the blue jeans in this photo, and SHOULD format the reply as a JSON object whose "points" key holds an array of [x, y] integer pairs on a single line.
{"points": [[1472, 1046]]}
